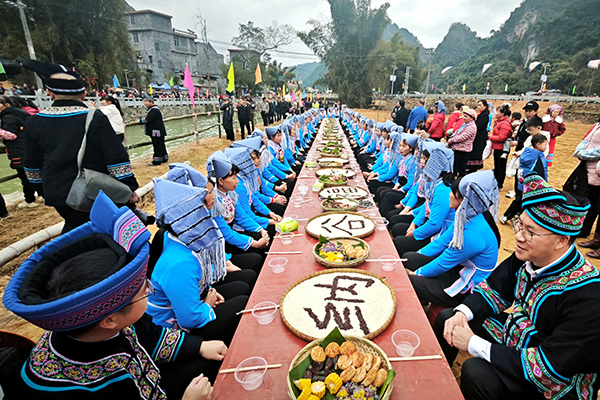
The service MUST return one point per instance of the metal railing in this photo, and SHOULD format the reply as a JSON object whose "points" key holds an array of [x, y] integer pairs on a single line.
{"points": [[556, 98], [44, 101]]}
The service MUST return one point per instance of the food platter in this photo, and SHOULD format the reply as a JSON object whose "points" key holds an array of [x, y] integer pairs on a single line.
{"points": [[337, 160], [358, 302], [349, 192], [341, 204], [350, 173], [340, 223], [342, 252]]}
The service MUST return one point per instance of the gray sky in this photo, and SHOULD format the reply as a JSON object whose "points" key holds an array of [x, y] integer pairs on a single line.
{"points": [[428, 20]]}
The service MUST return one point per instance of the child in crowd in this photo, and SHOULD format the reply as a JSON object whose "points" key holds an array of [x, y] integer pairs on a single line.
{"points": [[515, 121], [531, 158], [88, 289], [555, 126]]}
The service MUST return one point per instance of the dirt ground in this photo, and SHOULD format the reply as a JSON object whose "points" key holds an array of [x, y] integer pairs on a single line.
{"points": [[24, 222]]}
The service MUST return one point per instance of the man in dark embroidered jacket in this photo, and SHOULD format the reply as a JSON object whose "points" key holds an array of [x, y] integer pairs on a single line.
{"points": [[89, 290], [155, 128], [546, 347], [54, 136]]}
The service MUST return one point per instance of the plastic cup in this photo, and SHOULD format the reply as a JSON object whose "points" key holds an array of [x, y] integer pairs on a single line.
{"points": [[286, 237], [297, 201], [277, 264], [264, 317], [381, 224], [302, 190], [406, 342], [388, 262], [292, 216], [251, 372]]}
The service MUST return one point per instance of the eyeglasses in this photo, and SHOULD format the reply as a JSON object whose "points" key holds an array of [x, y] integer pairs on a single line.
{"points": [[517, 226], [149, 292]]}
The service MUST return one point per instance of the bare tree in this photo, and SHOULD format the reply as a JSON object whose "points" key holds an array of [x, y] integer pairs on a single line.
{"points": [[261, 40], [204, 38]]}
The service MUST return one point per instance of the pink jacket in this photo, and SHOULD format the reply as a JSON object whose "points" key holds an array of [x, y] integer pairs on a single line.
{"points": [[462, 139], [502, 131]]}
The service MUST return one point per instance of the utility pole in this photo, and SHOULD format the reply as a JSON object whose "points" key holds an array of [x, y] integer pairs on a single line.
{"points": [[544, 77], [430, 52], [406, 79], [21, 7], [392, 80]]}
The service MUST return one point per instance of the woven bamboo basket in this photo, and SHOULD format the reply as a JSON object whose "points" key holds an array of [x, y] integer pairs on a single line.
{"points": [[350, 173], [315, 235], [343, 264], [324, 181], [353, 207], [355, 196], [363, 345], [332, 158], [329, 271]]}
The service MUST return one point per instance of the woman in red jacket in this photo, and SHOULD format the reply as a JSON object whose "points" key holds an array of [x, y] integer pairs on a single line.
{"points": [[553, 123], [502, 131], [436, 130]]}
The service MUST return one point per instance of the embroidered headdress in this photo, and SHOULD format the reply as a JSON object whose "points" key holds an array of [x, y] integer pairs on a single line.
{"points": [[559, 212], [117, 229]]}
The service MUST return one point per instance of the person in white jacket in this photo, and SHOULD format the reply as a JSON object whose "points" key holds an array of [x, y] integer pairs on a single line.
{"points": [[112, 109]]}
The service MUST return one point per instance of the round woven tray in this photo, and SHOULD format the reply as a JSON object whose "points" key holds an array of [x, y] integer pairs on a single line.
{"points": [[316, 235], [305, 336], [330, 184], [351, 208], [363, 345], [324, 195], [343, 264], [350, 173], [335, 159]]}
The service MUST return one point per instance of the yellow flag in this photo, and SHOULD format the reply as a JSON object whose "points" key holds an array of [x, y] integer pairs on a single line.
{"points": [[150, 90], [283, 87], [231, 79], [257, 75]]}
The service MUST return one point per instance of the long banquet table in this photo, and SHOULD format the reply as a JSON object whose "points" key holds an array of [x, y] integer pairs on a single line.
{"points": [[425, 379]]}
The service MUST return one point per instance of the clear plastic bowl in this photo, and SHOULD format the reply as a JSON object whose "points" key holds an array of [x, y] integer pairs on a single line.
{"points": [[388, 262], [278, 264], [286, 237], [406, 342], [264, 317], [251, 372]]}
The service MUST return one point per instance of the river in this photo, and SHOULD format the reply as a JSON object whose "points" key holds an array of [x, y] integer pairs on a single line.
{"points": [[135, 134]]}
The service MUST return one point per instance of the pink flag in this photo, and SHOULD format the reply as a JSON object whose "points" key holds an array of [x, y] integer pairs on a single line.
{"points": [[293, 96], [189, 84]]}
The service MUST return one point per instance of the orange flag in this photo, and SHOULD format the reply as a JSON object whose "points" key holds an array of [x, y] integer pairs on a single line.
{"points": [[257, 75]]}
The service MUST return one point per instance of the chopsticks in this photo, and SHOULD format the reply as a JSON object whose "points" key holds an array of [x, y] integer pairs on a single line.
{"points": [[258, 309], [228, 371], [293, 235], [393, 259], [415, 358], [283, 252]]}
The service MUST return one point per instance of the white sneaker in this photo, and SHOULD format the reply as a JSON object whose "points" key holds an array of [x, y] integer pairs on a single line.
{"points": [[28, 205], [503, 220], [511, 194]]}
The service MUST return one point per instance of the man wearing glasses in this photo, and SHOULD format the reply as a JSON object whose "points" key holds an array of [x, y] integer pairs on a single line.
{"points": [[532, 326]]}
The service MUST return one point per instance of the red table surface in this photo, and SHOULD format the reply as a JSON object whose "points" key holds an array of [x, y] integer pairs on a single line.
{"points": [[427, 379]]}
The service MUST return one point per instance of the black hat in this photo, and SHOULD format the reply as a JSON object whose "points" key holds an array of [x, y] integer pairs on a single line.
{"points": [[46, 70], [532, 105]]}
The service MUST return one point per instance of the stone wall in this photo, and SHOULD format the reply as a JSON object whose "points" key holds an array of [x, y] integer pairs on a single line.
{"points": [[133, 114]]}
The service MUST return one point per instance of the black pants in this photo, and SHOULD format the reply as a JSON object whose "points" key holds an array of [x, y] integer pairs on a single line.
{"points": [[479, 378], [230, 134], [460, 163], [160, 150], [277, 208], [265, 118], [72, 217], [223, 327], [246, 125], [389, 200], [175, 376], [3, 210], [29, 189], [400, 219], [405, 244], [499, 168], [233, 250], [431, 290], [374, 185], [594, 198], [515, 207]]}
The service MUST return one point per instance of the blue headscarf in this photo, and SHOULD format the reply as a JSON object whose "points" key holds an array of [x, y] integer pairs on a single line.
{"points": [[440, 106], [249, 175]]}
